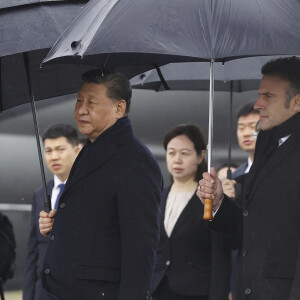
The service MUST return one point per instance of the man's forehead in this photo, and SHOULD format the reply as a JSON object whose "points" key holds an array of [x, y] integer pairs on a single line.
{"points": [[270, 82], [91, 88], [248, 119], [55, 142]]}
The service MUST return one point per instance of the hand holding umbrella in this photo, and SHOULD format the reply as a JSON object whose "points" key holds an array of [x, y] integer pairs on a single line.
{"points": [[210, 192]]}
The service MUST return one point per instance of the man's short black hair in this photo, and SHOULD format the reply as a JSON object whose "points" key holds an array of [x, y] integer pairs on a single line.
{"points": [[246, 110], [62, 130], [117, 85], [287, 68]]}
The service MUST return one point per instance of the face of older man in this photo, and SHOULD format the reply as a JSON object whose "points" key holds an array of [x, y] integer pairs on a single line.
{"points": [[272, 102], [95, 112]]}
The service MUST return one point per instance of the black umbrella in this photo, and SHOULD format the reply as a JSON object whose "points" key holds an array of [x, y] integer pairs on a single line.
{"points": [[145, 34], [27, 30]]}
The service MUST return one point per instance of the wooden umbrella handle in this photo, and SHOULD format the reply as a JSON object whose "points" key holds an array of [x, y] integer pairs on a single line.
{"points": [[207, 215]]}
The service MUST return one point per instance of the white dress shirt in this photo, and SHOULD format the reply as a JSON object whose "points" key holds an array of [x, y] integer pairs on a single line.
{"points": [[55, 190], [176, 202]]}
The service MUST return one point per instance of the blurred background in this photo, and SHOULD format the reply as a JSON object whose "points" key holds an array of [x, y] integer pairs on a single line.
{"points": [[152, 115]]}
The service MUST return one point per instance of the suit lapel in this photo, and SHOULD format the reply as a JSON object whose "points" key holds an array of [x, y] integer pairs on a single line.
{"points": [[97, 156], [186, 213], [280, 154]]}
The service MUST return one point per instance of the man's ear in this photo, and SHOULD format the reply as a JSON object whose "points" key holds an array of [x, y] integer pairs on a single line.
{"points": [[120, 108], [77, 149], [296, 103]]}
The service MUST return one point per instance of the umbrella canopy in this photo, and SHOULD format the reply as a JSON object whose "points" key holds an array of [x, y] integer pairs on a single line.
{"points": [[26, 31], [118, 33], [31, 27], [115, 34]]}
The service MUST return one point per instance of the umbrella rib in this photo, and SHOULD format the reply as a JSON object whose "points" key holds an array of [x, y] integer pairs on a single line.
{"points": [[161, 77]]}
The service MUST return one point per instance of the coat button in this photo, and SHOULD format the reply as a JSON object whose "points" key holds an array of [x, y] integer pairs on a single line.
{"points": [[247, 291], [46, 271], [168, 262], [244, 252], [52, 237], [62, 205], [245, 213]]}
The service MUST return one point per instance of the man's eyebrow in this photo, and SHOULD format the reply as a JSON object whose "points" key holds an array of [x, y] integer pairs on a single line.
{"points": [[246, 123]]}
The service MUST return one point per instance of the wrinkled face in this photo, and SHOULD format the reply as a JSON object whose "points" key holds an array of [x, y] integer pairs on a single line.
{"points": [[271, 103], [60, 155], [245, 128], [94, 111], [182, 158]]}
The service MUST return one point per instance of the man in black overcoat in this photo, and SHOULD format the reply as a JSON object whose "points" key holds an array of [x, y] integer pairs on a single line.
{"points": [[105, 232], [267, 226]]}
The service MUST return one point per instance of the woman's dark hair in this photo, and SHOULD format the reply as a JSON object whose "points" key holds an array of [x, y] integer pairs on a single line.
{"points": [[194, 133]]}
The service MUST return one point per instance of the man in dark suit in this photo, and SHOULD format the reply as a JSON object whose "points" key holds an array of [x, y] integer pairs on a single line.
{"points": [[267, 227], [60, 150], [247, 118], [105, 233]]}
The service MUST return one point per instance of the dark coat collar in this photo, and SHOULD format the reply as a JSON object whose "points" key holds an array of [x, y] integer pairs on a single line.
{"points": [[265, 138], [93, 155]]}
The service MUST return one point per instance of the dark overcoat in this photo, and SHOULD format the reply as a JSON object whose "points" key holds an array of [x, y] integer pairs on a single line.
{"points": [[269, 259], [37, 247], [195, 258], [102, 245]]}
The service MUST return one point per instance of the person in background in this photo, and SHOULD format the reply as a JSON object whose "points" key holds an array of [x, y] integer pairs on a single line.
{"points": [[247, 118], [60, 151], [192, 261]]}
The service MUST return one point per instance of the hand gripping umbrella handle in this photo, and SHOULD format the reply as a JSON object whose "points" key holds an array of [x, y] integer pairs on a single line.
{"points": [[207, 215]]}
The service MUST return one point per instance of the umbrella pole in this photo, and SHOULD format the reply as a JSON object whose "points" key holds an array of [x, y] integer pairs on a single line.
{"points": [[208, 202], [1, 104], [47, 202], [229, 173]]}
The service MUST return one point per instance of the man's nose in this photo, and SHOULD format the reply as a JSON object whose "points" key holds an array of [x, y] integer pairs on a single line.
{"points": [[82, 108], [248, 131], [178, 158], [54, 155], [258, 103]]}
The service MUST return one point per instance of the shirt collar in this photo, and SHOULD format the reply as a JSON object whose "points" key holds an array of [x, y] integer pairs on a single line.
{"points": [[57, 181]]}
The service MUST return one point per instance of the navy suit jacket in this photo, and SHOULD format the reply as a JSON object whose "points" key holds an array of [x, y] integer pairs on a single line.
{"points": [[37, 246], [240, 170], [106, 228], [195, 258]]}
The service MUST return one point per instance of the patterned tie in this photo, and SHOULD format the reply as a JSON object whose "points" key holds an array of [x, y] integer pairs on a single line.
{"points": [[61, 189]]}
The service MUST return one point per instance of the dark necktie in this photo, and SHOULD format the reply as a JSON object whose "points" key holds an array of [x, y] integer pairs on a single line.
{"points": [[61, 189]]}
